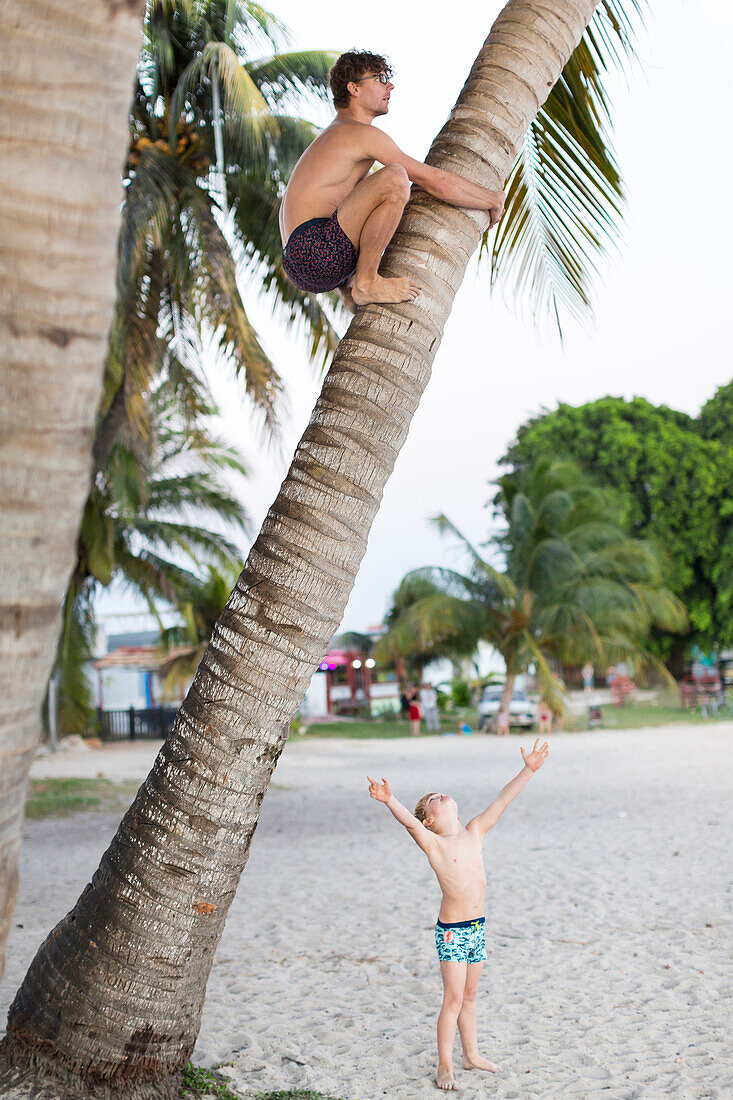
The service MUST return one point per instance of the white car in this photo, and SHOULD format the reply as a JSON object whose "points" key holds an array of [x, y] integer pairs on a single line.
{"points": [[521, 707]]}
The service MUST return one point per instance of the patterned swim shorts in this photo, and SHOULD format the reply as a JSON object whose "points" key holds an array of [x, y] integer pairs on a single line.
{"points": [[319, 256], [463, 941]]}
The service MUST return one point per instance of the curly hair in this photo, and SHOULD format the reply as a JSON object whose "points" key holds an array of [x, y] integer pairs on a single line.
{"points": [[352, 66]]}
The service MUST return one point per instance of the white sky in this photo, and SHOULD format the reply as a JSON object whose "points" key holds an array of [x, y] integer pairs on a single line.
{"points": [[662, 313]]}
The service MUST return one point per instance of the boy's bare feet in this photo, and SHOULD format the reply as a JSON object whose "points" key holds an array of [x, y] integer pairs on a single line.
{"points": [[444, 1078], [384, 290], [477, 1062]]}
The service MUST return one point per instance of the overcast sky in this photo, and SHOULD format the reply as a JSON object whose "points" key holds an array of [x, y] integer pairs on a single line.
{"points": [[662, 313]]}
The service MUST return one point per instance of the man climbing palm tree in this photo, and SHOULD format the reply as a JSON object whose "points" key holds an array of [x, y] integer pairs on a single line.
{"points": [[337, 218]]}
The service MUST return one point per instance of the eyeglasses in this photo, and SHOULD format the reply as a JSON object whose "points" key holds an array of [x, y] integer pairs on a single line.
{"points": [[381, 77]]}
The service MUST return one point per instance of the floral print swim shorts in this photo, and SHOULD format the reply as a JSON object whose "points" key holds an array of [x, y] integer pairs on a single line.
{"points": [[464, 941]]}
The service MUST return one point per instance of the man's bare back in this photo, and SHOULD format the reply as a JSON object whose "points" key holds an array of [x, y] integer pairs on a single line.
{"points": [[337, 217], [326, 173]]}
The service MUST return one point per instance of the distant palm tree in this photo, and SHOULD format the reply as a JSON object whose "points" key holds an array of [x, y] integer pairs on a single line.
{"points": [[401, 644], [574, 586], [215, 131], [149, 522], [199, 604]]}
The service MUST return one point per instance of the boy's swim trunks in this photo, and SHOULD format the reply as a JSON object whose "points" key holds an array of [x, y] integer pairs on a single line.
{"points": [[319, 256], [464, 941]]}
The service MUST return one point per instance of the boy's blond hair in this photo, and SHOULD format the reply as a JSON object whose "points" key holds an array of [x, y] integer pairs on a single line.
{"points": [[420, 810]]}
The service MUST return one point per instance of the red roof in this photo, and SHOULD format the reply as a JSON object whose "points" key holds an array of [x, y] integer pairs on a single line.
{"points": [[139, 656]]}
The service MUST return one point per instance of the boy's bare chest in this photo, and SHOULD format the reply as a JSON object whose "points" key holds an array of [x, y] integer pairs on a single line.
{"points": [[461, 856]]}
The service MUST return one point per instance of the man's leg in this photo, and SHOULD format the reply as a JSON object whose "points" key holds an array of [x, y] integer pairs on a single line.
{"points": [[454, 981], [467, 1022], [369, 216]]}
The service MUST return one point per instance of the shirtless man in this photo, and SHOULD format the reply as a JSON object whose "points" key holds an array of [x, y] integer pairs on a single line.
{"points": [[454, 853], [337, 217]]}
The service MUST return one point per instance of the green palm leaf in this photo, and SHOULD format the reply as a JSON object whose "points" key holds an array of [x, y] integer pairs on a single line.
{"points": [[283, 74], [565, 194]]}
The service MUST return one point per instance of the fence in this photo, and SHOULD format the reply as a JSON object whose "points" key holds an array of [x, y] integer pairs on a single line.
{"points": [[130, 724]]}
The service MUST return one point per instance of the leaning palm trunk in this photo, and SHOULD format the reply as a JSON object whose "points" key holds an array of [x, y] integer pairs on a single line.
{"points": [[67, 70], [115, 993]]}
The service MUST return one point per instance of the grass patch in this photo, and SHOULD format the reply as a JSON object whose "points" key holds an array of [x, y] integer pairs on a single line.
{"points": [[664, 712], [205, 1082], [198, 1082], [381, 729], [58, 797]]}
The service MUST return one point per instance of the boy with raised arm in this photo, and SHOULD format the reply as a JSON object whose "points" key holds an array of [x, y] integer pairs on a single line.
{"points": [[454, 853]]}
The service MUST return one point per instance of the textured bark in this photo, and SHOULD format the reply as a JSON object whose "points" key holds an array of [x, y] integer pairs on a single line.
{"points": [[67, 73], [117, 988]]}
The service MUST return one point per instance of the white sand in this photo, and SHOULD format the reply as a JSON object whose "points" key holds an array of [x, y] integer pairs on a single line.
{"points": [[608, 918]]}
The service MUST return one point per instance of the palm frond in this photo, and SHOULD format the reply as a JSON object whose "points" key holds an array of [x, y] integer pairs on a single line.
{"points": [[565, 194], [241, 96], [503, 582], [220, 305], [74, 651], [189, 538], [288, 75], [151, 576]]}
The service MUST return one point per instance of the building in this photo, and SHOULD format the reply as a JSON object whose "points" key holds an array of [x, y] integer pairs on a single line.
{"points": [[349, 682]]}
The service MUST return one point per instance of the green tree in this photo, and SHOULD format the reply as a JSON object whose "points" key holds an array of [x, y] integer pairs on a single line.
{"points": [[215, 130], [715, 421], [670, 481], [574, 586], [149, 523], [199, 604], [400, 643]]}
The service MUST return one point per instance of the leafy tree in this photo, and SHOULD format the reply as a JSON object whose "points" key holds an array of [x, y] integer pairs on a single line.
{"points": [[400, 645], [670, 477], [199, 604], [715, 421], [574, 586], [149, 522], [215, 130]]}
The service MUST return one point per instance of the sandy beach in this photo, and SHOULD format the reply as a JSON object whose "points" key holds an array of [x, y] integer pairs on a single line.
{"points": [[609, 918]]}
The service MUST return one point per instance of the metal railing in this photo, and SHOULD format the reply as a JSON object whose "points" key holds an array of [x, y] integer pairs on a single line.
{"points": [[131, 724]]}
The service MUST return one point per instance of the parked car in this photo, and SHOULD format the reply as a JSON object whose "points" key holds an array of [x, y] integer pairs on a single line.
{"points": [[521, 707]]}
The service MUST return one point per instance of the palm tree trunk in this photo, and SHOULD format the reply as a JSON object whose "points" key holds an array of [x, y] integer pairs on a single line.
{"points": [[508, 691], [116, 990], [67, 69]]}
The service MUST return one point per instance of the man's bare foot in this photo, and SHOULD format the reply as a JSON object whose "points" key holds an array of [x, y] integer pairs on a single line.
{"points": [[384, 290], [444, 1078], [477, 1062]]}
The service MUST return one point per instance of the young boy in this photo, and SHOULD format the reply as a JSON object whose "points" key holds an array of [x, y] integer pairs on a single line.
{"points": [[454, 853]]}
